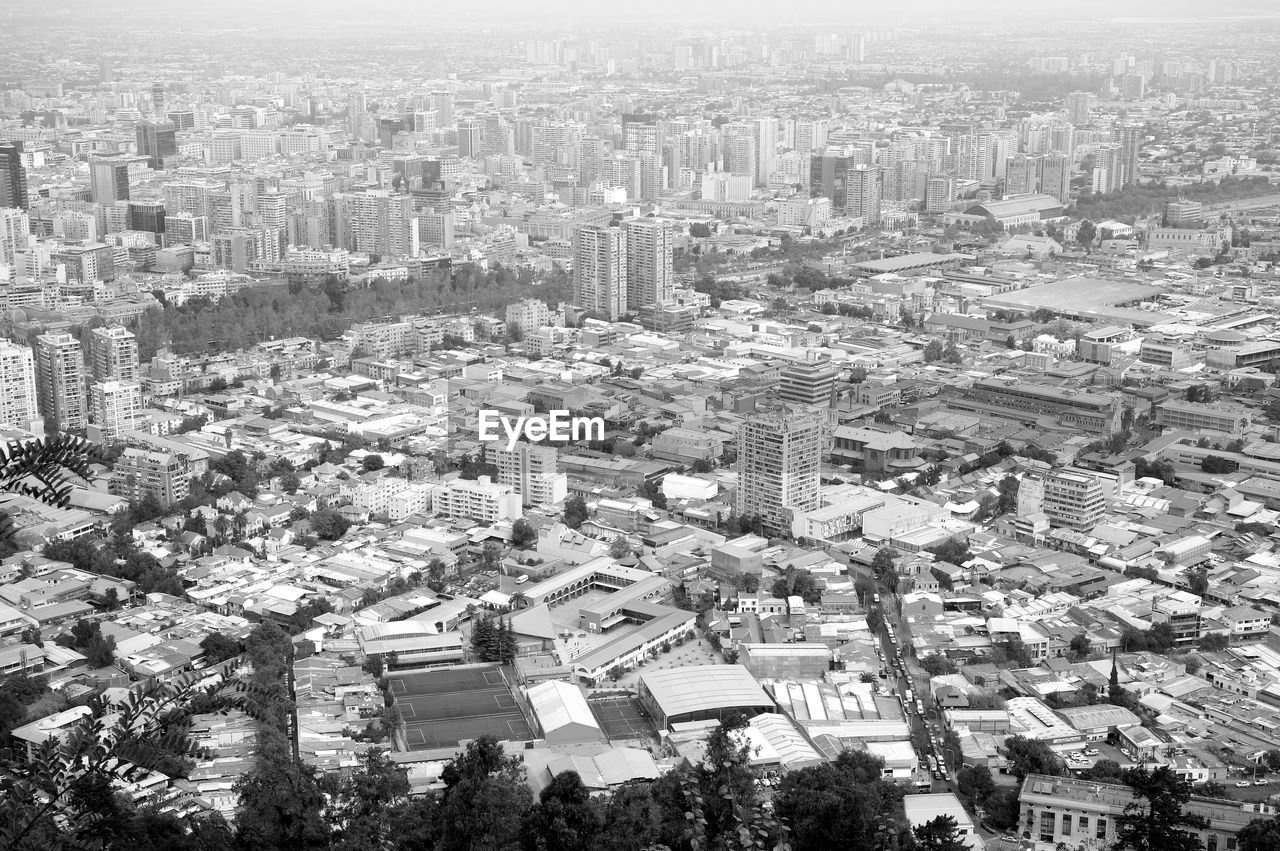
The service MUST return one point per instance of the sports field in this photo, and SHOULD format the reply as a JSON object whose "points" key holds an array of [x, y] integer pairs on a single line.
{"points": [[621, 718], [443, 707]]}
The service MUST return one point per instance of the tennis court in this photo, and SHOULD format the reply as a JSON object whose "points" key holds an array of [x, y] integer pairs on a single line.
{"points": [[443, 707], [621, 718]]}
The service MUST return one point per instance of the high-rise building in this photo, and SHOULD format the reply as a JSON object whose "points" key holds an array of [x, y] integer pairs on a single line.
{"points": [[15, 228], [779, 459], [18, 387], [854, 188], [650, 278], [531, 469], [376, 222], [469, 136], [139, 473], [147, 216], [114, 407], [600, 270], [60, 382], [357, 109], [1130, 145], [1055, 177], [864, 194], [1079, 105], [13, 177], [808, 382], [939, 193], [113, 354], [157, 141], [1073, 500], [109, 179], [766, 149], [1022, 174], [1107, 169]]}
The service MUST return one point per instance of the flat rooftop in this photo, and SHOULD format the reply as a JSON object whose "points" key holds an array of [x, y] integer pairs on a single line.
{"points": [[1097, 297]]}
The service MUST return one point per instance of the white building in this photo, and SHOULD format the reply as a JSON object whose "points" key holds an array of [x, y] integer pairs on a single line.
{"points": [[482, 499]]}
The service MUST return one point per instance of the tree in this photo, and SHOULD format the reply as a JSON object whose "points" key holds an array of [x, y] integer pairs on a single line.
{"points": [[362, 803], [485, 799], [940, 833], [100, 652], [575, 511], [937, 665], [45, 470], [523, 535], [1104, 771], [1003, 808], [837, 805], [975, 781], [793, 583], [372, 462], [329, 525], [619, 547], [280, 803], [933, 351], [1080, 646], [1154, 820], [1214, 641], [218, 648], [884, 568], [565, 816], [1032, 756], [1261, 834], [491, 555], [289, 482], [1087, 233]]}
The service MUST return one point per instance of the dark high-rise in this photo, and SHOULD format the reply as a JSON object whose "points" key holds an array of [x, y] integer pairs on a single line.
{"points": [[157, 141], [13, 177]]}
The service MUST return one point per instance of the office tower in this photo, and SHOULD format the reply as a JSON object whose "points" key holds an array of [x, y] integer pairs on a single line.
{"points": [[18, 387], [435, 229], [650, 279], [1055, 176], [226, 145], [60, 382], [85, 263], [114, 407], [828, 177], [108, 180], [531, 469], [13, 177], [181, 120], [1022, 174], [738, 148], [600, 270], [157, 97], [808, 382], [185, 229], [148, 216], [357, 107], [469, 137], [864, 194], [113, 354], [1079, 105], [1130, 145], [1183, 214], [15, 228], [1073, 500], [766, 149], [157, 141], [779, 460], [939, 192], [1133, 86]]}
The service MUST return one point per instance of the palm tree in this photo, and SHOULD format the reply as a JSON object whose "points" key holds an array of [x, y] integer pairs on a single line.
{"points": [[44, 469], [519, 600]]}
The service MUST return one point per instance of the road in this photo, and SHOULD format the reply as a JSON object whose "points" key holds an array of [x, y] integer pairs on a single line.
{"points": [[924, 733], [1245, 204]]}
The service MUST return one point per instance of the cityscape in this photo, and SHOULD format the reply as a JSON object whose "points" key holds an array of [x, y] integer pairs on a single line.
{"points": [[542, 427]]}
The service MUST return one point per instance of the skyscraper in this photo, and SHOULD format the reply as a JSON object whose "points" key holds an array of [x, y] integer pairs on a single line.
{"points": [[157, 141], [13, 177], [778, 468], [864, 194], [1022, 174], [469, 137], [1079, 105], [60, 382], [18, 387], [766, 149], [1130, 144], [109, 179], [600, 270], [113, 354], [15, 228], [650, 279], [1055, 177]]}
